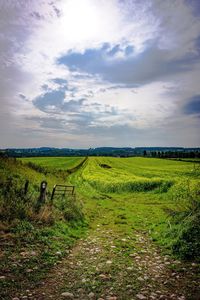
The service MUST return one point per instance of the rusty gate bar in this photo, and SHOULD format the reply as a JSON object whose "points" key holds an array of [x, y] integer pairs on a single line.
{"points": [[61, 189]]}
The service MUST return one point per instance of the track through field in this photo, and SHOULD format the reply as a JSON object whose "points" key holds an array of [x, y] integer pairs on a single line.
{"points": [[112, 263]]}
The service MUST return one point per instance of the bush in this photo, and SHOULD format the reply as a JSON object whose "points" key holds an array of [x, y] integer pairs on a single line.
{"points": [[187, 243], [185, 218], [19, 210], [71, 209], [14, 203], [37, 168]]}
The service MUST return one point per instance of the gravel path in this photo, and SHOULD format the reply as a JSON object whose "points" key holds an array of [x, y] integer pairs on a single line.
{"points": [[109, 266]]}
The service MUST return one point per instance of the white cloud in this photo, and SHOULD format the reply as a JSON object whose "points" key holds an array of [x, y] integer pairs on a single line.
{"points": [[178, 26], [35, 34], [81, 25]]}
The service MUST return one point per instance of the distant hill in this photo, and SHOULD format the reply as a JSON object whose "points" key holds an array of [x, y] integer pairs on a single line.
{"points": [[162, 152]]}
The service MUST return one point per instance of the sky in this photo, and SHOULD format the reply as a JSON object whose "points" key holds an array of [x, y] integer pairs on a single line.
{"points": [[91, 73]]}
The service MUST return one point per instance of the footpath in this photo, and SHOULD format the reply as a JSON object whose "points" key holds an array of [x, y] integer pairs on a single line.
{"points": [[111, 265]]}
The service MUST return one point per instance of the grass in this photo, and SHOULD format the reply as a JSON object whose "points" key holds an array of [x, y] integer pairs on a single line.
{"points": [[124, 195], [133, 174], [132, 193], [32, 251], [21, 172], [139, 188], [54, 163], [47, 233]]}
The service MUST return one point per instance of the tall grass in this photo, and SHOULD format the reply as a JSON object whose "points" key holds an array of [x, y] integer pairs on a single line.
{"points": [[130, 186], [185, 220], [171, 183], [124, 175], [53, 163], [16, 205]]}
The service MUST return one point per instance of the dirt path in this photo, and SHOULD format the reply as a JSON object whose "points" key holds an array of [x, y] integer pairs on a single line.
{"points": [[111, 266]]}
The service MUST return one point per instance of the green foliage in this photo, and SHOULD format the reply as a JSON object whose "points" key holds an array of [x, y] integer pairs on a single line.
{"points": [[126, 198], [70, 207], [47, 232], [37, 167], [142, 186], [23, 227], [185, 218], [14, 204]]}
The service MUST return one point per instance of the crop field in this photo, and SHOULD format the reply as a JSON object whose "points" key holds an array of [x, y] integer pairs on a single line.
{"points": [[135, 192], [55, 163], [118, 175]]}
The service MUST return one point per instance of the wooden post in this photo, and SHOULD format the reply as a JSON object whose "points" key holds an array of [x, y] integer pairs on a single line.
{"points": [[53, 192], [43, 192], [42, 197], [26, 187]]}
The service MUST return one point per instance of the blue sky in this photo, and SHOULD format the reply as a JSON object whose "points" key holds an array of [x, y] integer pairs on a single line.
{"points": [[88, 73]]}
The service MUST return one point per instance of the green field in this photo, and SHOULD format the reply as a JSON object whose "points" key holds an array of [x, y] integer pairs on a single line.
{"points": [[54, 163], [129, 193], [129, 184], [136, 183], [124, 196], [134, 174]]}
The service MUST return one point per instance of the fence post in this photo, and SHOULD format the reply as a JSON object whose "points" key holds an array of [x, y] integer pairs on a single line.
{"points": [[42, 197], [53, 192], [26, 187], [43, 192]]}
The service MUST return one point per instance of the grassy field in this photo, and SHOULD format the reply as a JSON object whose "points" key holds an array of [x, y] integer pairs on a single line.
{"points": [[54, 163], [134, 174], [33, 239], [124, 196], [139, 187], [136, 192]]}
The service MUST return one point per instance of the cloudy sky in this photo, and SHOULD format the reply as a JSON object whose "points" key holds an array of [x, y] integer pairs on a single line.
{"points": [[89, 73]]}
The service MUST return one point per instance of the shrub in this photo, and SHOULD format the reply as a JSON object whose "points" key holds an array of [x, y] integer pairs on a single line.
{"points": [[185, 218], [37, 168], [71, 209], [14, 203], [19, 212]]}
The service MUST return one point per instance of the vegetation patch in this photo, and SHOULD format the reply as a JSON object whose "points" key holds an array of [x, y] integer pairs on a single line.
{"points": [[184, 231], [134, 199], [34, 235], [105, 166]]}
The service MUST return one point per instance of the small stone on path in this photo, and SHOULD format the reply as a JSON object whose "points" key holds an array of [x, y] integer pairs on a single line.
{"points": [[91, 295], [140, 296], [109, 262], [140, 279], [67, 295]]}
